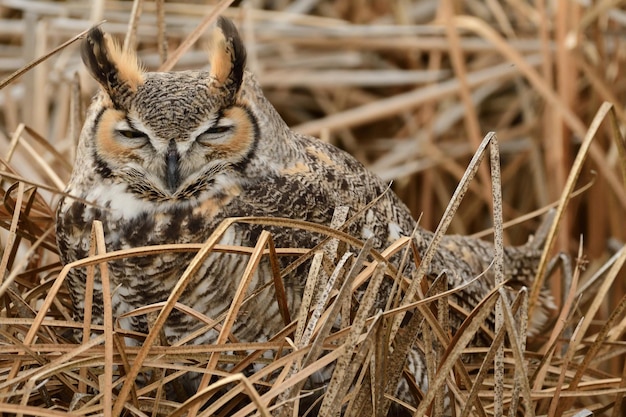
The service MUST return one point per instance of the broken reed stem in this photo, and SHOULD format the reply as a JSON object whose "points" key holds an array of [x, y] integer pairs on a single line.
{"points": [[446, 219], [498, 269], [98, 237]]}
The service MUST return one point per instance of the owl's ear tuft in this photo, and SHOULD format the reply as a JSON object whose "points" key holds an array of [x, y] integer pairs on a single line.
{"points": [[118, 72], [227, 55]]}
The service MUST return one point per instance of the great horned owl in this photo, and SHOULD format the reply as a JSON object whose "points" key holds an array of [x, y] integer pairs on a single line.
{"points": [[165, 157]]}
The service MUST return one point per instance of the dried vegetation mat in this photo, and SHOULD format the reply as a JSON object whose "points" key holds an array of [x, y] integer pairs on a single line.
{"points": [[406, 86]]}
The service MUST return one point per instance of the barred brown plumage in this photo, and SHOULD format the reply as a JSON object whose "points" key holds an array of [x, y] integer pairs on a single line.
{"points": [[165, 157]]}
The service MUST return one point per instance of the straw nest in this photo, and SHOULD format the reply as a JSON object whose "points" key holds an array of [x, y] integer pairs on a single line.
{"points": [[410, 88]]}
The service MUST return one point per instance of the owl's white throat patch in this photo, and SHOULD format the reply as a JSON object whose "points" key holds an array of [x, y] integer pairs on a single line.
{"points": [[120, 203]]}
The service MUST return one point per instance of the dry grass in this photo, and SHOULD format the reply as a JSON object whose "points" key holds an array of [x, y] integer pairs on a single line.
{"points": [[408, 87]]}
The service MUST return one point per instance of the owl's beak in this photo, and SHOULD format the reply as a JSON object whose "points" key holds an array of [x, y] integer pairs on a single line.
{"points": [[172, 174]]}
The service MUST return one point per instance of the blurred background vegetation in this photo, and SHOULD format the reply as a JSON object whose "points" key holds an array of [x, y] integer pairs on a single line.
{"points": [[409, 87]]}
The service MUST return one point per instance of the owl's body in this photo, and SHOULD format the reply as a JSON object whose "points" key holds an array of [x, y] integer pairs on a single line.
{"points": [[165, 157]]}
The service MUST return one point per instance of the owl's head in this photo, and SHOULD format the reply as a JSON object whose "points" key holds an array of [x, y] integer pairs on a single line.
{"points": [[166, 131]]}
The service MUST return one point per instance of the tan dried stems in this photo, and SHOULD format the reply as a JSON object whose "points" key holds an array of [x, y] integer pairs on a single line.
{"points": [[409, 87]]}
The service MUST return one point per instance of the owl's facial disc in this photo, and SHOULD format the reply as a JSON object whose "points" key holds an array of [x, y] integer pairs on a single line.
{"points": [[136, 148]]}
